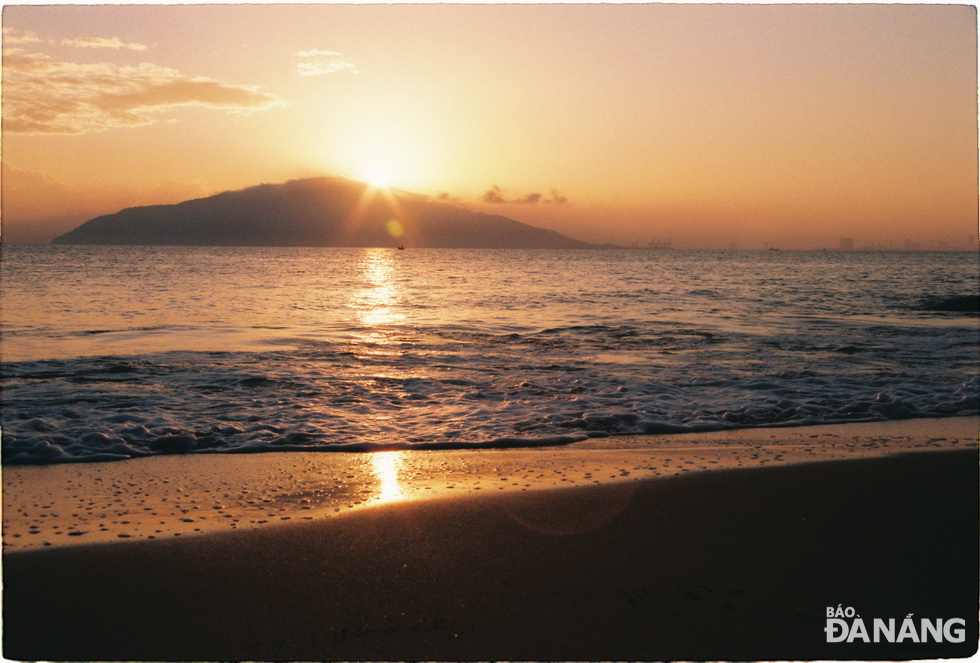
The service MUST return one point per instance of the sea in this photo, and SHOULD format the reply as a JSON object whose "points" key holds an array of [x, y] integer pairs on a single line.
{"points": [[114, 353]]}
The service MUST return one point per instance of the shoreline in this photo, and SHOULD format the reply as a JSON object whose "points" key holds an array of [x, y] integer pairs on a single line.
{"points": [[172, 496], [735, 564]]}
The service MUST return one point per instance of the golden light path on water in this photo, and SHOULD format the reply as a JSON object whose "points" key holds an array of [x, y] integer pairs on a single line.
{"points": [[377, 303]]}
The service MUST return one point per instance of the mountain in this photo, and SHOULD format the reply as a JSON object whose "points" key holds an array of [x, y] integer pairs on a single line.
{"points": [[323, 211]]}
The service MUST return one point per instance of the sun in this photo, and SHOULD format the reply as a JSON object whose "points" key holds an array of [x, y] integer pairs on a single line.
{"points": [[378, 178], [385, 155]]}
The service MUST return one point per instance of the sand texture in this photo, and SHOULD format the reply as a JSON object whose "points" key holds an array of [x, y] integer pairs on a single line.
{"points": [[731, 564], [188, 495]]}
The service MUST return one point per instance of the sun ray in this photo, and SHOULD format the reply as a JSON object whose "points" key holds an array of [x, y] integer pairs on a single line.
{"points": [[398, 222]]}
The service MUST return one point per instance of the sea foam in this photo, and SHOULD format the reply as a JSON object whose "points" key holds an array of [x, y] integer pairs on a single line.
{"points": [[364, 350]]}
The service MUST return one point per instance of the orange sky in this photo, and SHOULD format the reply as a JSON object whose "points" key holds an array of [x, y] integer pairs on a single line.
{"points": [[711, 125]]}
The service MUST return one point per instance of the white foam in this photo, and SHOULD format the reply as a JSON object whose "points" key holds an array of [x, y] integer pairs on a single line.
{"points": [[598, 344]]}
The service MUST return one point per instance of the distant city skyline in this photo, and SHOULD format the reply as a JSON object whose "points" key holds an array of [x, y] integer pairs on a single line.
{"points": [[708, 126]]}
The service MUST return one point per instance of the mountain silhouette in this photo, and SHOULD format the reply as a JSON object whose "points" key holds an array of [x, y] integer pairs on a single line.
{"points": [[322, 211]]}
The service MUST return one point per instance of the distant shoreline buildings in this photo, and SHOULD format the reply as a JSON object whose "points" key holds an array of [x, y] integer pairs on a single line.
{"points": [[968, 244]]}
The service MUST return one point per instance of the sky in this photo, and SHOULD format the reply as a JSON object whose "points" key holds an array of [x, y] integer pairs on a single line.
{"points": [[709, 126]]}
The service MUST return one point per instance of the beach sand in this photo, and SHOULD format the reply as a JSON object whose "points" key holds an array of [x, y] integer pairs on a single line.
{"points": [[740, 562], [188, 495]]}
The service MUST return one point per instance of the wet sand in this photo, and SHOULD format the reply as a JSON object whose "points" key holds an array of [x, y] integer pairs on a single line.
{"points": [[738, 563], [180, 496]]}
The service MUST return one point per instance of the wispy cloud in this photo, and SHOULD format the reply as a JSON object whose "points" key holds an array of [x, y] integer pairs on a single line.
{"points": [[13, 36], [318, 63], [495, 196], [103, 42], [46, 96], [557, 198]]}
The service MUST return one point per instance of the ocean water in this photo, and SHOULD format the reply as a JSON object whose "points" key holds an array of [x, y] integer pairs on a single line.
{"points": [[111, 353]]}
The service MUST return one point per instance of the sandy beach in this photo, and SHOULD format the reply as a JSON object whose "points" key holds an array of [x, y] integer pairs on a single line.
{"points": [[716, 546]]}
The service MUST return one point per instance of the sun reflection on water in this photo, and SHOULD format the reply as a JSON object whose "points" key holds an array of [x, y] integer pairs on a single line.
{"points": [[385, 466], [378, 302]]}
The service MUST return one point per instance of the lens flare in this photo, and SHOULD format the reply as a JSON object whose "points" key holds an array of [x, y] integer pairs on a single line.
{"points": [[395, 228]]}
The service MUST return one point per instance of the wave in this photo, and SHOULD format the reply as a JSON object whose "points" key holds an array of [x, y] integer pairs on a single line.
{"points": [[325, 399], [357, 350]]}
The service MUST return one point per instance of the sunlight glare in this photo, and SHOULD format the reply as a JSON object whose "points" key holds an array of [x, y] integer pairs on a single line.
{"points": [[378, 178], [385, 466], [379, 302], [386, 148]]}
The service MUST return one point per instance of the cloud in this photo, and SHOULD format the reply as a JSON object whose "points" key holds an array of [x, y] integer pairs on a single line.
{"points": [[102, 42], [529, 199], [46, 96], [318, 63], [557, 198], [14, 36], [495, 196]]}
